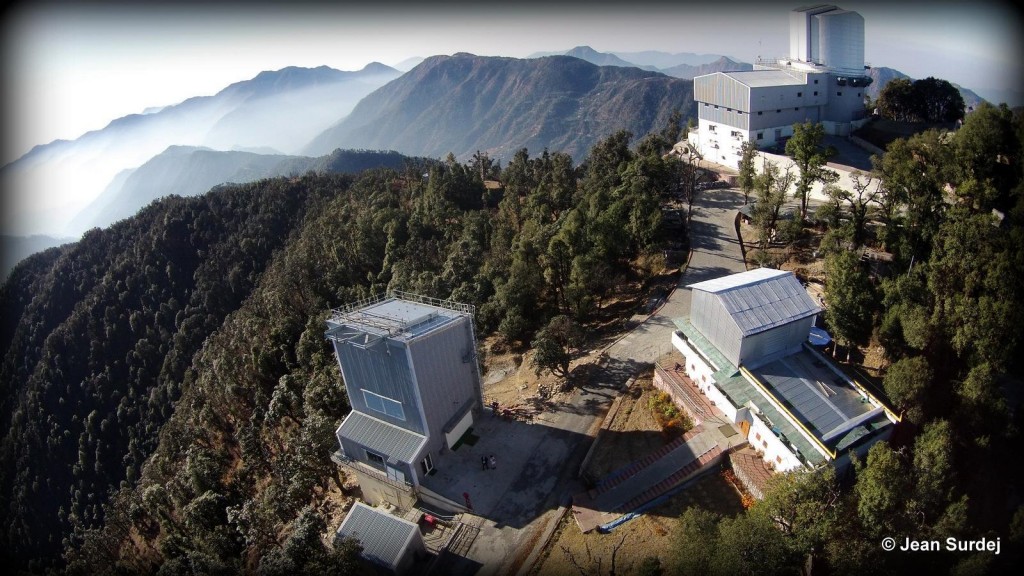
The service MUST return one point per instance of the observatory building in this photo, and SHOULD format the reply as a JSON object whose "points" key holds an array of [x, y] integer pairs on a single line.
{"points": [[821, 81]]}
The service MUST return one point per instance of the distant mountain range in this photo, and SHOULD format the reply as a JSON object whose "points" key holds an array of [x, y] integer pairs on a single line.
{"points": [[282, 110], [647, 60], [281, 121], [464, 103], [189, 171]]}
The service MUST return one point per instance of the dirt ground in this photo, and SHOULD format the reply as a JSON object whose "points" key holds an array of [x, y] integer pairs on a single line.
{"points": [[635, 416], [651, 534]]}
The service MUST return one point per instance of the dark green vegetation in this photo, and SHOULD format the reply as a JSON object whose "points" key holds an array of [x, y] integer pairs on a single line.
{"points": [[464, 103], [169, 400], [929, 100], [949, 312]]}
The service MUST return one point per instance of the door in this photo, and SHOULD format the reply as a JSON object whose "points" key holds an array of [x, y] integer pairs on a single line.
{"points": [[745, 428]]}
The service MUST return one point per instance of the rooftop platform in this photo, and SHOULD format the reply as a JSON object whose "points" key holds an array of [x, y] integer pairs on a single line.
{"points": [[397, 315]]}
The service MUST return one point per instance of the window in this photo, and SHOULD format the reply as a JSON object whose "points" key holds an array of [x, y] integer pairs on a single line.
{"points": [[815, 80], [778, 459], [764, 443], [703, 378], [759, 112], [797, 109], [757, 435], [375, 459], [799, 94], [716, 106], [383, 405], [693, 367], [711, 127], [427, 465], [839, 93], [760, 135], [815, 92], [779, 110]]}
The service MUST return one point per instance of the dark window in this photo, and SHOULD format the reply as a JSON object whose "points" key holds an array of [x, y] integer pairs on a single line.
{"points": [[799, 94], [760, 135], [427, 465], [815, 80], [815, 92], [777, 111], [759, 113], [839, 93], [797, 109], [375, 459]]}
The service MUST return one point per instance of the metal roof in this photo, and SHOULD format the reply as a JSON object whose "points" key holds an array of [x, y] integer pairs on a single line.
{"points": [[762, 78], [384, 537], [379, 436], [760, 299]]}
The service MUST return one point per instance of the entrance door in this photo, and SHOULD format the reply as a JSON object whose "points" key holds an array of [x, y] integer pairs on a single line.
{"points": [[427, 465], [745, 428]]}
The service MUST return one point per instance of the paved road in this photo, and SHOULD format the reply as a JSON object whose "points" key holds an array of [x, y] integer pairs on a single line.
{"points": [[716, 252]]}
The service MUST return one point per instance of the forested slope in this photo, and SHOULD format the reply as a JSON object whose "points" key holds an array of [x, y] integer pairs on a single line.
{"points": [[169, 398]]}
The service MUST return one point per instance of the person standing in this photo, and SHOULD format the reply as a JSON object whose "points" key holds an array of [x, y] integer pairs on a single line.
{"points": [[483, 462], [493, 462]]}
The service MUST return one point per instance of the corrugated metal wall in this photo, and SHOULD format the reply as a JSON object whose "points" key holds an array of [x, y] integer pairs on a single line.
{"points": [[775, 340], [721, 90], [708, 315], [382, 369], [733, 118], [446, 380]]}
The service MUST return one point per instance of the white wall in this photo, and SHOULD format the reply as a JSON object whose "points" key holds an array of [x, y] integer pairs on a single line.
{"points": [[773, 450]]}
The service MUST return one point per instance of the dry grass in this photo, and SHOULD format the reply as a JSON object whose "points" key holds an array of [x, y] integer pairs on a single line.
{"points": [[633, 433], [651, 534]]}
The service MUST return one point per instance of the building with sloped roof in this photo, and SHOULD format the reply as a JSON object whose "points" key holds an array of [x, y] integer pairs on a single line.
{"points": [[821, 81], [388, 542], [745, 348], [412, 378]]}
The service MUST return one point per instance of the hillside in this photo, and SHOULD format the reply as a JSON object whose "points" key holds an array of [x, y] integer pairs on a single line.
{"points": [[188, 171], [168, 399], [464, 103]]}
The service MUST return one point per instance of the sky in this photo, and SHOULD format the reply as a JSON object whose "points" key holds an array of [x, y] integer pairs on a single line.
{"points": [[68, 68]]}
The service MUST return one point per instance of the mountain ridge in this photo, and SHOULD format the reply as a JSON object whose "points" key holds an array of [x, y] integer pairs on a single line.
{"points": [[557, 102]]}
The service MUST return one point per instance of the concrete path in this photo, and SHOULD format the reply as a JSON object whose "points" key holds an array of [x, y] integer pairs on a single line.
{"points": [[716, 252]]}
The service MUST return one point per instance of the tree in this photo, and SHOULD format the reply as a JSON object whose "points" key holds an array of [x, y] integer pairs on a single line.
{"points": [[747, 172], [689, 176], [751, 544], [807, 506], [934, 472], [696, 543], [772, 188], [556, 345], [906, 383], [938, 100], [810, 158], [896, 101], [881, 488], [849, 298]]}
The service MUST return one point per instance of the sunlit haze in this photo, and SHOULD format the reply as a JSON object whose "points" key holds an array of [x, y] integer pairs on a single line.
{"points": [[73, 68]]}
